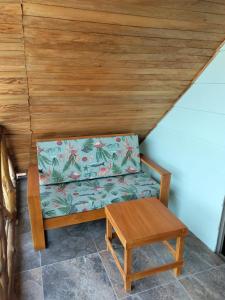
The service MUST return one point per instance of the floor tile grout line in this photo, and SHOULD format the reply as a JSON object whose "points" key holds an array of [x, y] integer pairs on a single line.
{"points": [[65, 260], [184, 289], [108, 278], [196, 273], [17, 273], [152, 288], [42, 284]]}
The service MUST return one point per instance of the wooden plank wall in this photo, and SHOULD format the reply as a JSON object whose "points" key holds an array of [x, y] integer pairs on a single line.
{"points": [[99, 66], [14, 108]]}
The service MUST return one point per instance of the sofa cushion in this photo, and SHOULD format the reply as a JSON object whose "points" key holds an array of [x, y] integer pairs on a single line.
{"points": [[79, 196], [87, 158]]}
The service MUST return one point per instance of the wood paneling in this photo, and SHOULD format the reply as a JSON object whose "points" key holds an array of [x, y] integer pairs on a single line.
{"points": [[14, 108], [98, 66]]}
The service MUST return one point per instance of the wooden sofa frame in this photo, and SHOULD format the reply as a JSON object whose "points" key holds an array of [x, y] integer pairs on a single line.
{"points": [[39, 225]]}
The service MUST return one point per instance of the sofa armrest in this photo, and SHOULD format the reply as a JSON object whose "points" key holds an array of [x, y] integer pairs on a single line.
{"points": [[164, 180]]}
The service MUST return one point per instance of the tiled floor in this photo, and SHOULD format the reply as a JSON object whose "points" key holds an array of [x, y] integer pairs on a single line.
{"points": [[76, 266]]}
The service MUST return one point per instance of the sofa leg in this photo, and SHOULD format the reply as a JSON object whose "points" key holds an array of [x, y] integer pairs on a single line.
{"points": [[38, 240], [35, 211], [37, 226]]}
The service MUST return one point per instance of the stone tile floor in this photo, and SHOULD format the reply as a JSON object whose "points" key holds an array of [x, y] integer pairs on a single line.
{"points": [[77, 266]]}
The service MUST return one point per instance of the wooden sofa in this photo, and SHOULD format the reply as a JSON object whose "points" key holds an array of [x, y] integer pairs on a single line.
{"points": [[74, 178]]}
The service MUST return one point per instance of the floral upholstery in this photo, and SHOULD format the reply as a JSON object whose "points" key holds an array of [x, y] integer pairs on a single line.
{"points": [[82, 159], [79, 196]]}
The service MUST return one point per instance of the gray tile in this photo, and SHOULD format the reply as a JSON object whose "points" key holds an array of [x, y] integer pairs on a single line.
{"points": [[202, 251], [171, 291], [28, 285], [21, 192], [97, 230], [26, 257], [143, 258], [208, 285], [23, 220], [193, 261], [82, 278], [66, 243]]}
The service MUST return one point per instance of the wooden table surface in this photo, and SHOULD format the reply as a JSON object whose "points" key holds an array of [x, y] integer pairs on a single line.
{"points": [[142, 221]]}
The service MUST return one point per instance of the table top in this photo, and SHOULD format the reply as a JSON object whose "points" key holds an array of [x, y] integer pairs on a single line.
{"points": [[142, 221]]}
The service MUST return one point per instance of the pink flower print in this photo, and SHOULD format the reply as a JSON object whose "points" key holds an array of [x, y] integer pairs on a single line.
{"points": [[129, 148], [74, 175], [73, 152], [97, 188], [85, 209], [99, 145], [39, 149], [104, 170], [131, 170], [84, 158], [61, 190], [45, 176], [118, 139], [56, 205], [59, 143]]}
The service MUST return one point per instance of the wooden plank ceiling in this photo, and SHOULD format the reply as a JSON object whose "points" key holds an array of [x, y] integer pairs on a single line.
{"points": [[99, 66]]}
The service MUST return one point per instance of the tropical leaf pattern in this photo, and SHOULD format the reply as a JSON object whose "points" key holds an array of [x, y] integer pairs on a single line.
{"points": [[78, 196], [82, 159]]}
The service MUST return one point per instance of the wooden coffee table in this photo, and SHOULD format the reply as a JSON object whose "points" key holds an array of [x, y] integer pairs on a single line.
{"points": [[140, 222]]}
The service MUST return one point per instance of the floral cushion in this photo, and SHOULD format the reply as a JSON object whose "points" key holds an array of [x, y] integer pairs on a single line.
{"points": [[68, 198], [81, 159]]}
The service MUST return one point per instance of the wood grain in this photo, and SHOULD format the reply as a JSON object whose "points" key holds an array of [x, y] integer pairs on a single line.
{"points": [[153, 223], [97, 66]]}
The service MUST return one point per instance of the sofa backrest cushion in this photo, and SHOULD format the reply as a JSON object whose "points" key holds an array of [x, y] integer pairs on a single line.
{"points": [[87, 158]]}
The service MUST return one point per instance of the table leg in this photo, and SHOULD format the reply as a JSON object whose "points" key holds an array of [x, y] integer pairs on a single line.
{"points": [[127, 269], [108, 232], [179, 253]]}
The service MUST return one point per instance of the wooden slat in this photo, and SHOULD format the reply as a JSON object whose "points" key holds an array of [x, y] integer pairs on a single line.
{"points": [[77, 26], [69, 39], [114, 18], [189, 12]]}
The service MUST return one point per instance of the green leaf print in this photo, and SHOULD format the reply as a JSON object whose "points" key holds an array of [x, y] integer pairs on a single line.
{"points": [[133, 161], [65, 210], [109, 186], [71, 161], [127, 156], [50, 213], [102, 154], [88, 146], [57, 176], [55, 162], [43, 160], [65, 204], [114, 156], [116, 169]]}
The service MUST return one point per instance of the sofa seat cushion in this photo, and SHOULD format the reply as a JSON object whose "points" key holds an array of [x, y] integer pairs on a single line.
{"points": [[80, 196]]}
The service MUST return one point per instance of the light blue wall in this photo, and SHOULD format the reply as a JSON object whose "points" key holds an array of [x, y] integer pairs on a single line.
{"points": [[190, 142]]}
